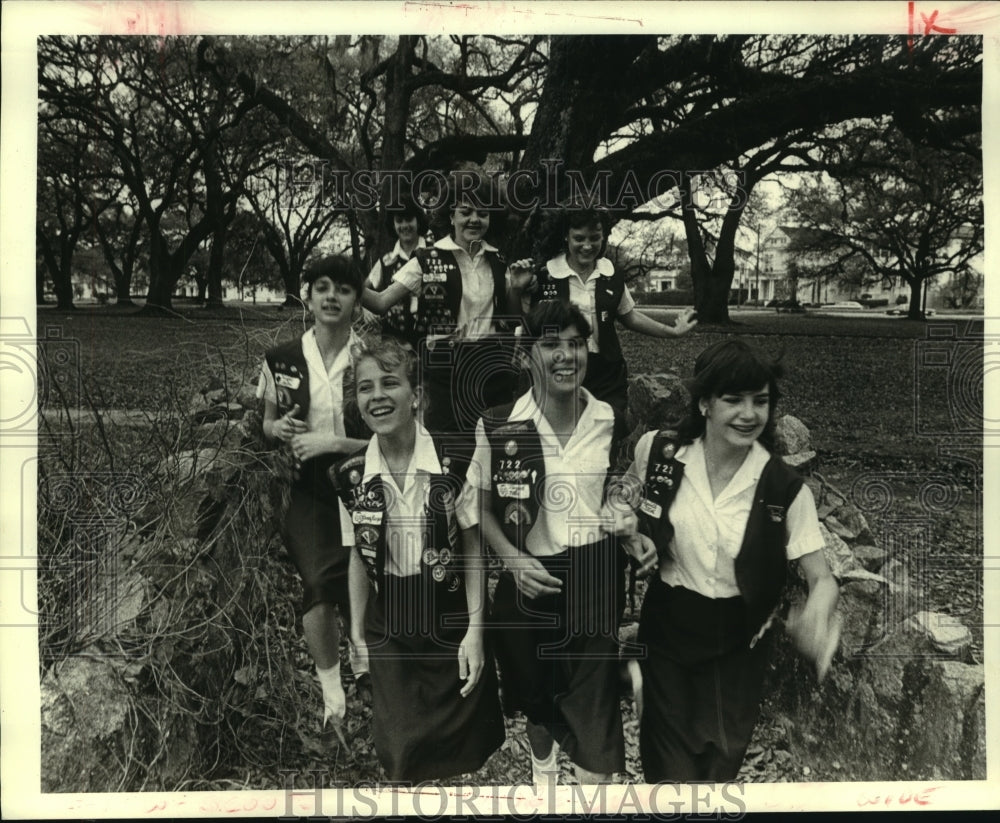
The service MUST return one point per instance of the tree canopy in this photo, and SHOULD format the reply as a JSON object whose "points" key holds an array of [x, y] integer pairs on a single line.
{"points": [[635, 121]]}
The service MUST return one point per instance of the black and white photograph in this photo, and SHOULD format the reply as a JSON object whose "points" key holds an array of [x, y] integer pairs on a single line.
{"points": [[498, 408]]}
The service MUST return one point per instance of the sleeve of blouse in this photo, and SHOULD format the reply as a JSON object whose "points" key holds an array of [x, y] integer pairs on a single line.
{"points": [[265, 385], [346, 525], [802, 526], [375, 275], [410, 275], [476, 480], [627, 303]]}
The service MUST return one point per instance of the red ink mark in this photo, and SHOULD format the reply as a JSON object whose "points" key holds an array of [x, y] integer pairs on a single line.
{"points": [[159, 807], [921, 798], [269, 804], [929, 25]]}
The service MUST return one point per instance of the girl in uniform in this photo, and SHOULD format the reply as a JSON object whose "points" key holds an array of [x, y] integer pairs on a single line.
{"points": [[582, 275], [725, 516], [541, 467], [410, 226], [302, 383], [460, 286], [417, 584]]}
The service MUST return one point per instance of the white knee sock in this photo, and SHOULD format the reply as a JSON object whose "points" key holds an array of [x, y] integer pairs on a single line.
{"points": [[334, 699]]}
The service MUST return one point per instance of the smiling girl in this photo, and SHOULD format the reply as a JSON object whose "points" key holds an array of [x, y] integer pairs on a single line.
{"points": [[302, 384], [417, 586], [410, 226], [725, 515], [582, 275], [459, 290]]}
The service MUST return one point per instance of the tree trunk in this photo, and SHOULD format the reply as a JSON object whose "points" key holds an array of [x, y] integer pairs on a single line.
{"points": [[163, 276], [711, 290], [62, 279], [215, 270], [915, 311]]}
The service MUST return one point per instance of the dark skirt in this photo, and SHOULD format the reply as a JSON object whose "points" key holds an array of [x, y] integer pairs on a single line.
{"points": [[311, 534], [558, 654], [607, 380], [423, 728], [462, 379], [702, 685]]}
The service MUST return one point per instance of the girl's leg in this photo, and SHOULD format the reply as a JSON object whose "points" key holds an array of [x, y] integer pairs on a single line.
{"points": [[585, 778], [544, 756], [322, 634]]}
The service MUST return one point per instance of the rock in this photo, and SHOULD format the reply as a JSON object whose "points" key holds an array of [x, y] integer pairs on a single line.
{"points": [[801, 461], [948, 723], [947, 634], [871, 557], [850, 522], [84, 709], [838, 554], [791, 436], [860, 607], [656, 401]]}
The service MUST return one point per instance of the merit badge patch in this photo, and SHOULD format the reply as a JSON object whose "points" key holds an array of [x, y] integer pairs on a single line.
{"points": [[430, 557], [776, 513], [510, 448], [517, 514], [654, 510]]}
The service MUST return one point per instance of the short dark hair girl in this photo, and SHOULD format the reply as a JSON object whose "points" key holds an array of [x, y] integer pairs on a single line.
{"points": [[731, 366], [338, 267], [552, 316], [406, 209]]}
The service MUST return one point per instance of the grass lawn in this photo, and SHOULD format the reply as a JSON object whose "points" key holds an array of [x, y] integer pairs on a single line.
{"points": [[861, 384]]}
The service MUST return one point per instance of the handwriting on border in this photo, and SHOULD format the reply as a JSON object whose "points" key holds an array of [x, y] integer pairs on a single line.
{"points": [[930, 25]]}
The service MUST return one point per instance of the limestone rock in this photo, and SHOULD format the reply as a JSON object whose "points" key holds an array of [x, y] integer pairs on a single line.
{"points": [[84, 708], [791, 436], [949, 724], [656, 401], [848, 522], [945, 632], [801, 461], [838, 554], [871, 557]]}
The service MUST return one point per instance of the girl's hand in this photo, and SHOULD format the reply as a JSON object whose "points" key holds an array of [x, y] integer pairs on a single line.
{"points": [[618, 519], [643, 550], [685, 321], [531, 578], [471, 660], [310, 444], [359, 655], [522, 275], [815, 634], [288, 425]]}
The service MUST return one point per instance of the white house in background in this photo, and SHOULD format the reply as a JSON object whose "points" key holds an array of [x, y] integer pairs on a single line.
{"points": [[749, 283], [774, 262]]}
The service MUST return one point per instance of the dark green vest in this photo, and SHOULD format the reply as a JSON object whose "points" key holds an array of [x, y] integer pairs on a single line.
{"points": [[607, 295], [440, 295], [442, 556], [517, 470], [761, 564], [287, 363]]}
